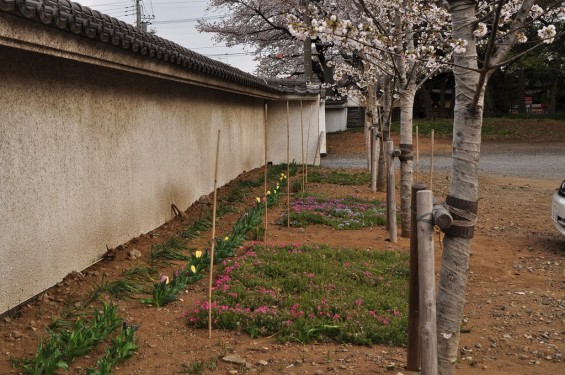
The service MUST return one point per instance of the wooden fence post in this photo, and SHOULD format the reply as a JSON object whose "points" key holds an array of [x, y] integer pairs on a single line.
{"points": [[426, 274], [413, 361], [390, 191], [375, 153]]}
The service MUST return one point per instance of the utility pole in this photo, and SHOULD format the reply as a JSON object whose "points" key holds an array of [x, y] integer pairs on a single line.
{"points": [[307, 44], [138, 13]]}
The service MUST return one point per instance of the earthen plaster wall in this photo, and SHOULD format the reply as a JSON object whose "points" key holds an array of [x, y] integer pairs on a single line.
{"points": [[92, 156]]}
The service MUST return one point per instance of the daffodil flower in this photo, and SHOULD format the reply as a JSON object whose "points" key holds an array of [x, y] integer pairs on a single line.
{"points": [[193, 269], [198, 253], [165, 279]]}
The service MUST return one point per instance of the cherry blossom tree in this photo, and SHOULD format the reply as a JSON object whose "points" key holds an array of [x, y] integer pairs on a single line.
{"points": [[490, 27], [495, 27], [395, 39], [262, 26]]}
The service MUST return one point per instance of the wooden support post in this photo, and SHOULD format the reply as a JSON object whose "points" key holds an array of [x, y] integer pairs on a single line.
{"points": [[442, 217], [266, 174], [417, 169], [390, 191], [287, 165], [317, 156], [426, 273], [413, 361], [302, 140], [432, 163], [375, 151]]}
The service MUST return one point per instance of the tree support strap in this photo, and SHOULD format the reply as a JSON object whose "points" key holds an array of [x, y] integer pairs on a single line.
{"points": [[464, 217], [406, 152]]}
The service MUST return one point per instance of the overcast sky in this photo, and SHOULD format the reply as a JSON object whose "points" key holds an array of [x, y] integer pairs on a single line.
{"points": [[175, 20]]}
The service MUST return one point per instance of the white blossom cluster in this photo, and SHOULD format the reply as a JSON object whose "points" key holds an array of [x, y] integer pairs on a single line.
{"points": [[535, 15]]}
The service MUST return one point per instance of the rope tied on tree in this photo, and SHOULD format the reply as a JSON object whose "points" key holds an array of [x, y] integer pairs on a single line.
{"points": [[422, 218]]}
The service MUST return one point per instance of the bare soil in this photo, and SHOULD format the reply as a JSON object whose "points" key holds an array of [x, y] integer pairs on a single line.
{"points": [[515, 312]]}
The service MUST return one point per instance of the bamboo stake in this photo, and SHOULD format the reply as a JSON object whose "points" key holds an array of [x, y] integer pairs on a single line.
{"points": [[266, 173], [432, 164], [302, 140], [287, 166], [213, 239]]}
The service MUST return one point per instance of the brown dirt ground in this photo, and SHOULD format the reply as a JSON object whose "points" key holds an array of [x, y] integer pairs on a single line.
{"points": [[515, 308]]}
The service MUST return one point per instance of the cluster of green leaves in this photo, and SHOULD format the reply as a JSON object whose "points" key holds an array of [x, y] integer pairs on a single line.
{"points": [[61, 347], [166, 291], [120, 349], [303, 293], [196, 229], [170, 250], [339, 177], [276, 170], [339, 213]]}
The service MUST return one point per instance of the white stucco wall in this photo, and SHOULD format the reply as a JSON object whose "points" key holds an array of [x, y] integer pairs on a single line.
{"points": [[336, 119], [303, 135], [92, 156]]}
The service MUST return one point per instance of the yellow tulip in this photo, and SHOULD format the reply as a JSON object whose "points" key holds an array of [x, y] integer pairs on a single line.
{"points": [[198, 253], [193, 269], [268, 192], [258, 200], [226, 238]]}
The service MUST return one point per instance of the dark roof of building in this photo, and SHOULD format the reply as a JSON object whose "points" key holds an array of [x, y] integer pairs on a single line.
{"points": [[85, 22]]}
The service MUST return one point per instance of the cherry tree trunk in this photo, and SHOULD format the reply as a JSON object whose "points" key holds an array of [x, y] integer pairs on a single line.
{"points": [[463, 190], [407, 95]]}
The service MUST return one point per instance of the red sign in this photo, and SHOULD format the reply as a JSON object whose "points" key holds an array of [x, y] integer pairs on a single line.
{"points": [[528, 100]]}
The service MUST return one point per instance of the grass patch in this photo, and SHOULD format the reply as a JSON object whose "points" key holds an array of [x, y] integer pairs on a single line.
{"points": [[494, 128], [339, 213], [305, 293], [340, 177]]}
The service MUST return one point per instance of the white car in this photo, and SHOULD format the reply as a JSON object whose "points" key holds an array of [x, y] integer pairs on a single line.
{"points": [[558, 209]]}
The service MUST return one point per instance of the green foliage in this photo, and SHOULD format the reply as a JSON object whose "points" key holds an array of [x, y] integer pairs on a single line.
{"points": [[166, 291], [340, 177], [305, 293], [120, 349], [196, 229], [61, 347], [276, 170], [167, 251], [339, 213], [494, 128], [48, 359], [120, 289]]}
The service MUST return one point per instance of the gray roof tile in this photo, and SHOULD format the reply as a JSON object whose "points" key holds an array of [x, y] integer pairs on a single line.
{"points": [[85, 22]]}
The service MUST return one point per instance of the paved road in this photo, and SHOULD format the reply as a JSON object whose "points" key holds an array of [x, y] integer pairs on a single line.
{"points": [[544, 160]]}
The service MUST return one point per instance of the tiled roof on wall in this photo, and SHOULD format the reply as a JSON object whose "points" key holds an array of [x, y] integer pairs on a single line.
{"points": [[83, 21]]}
